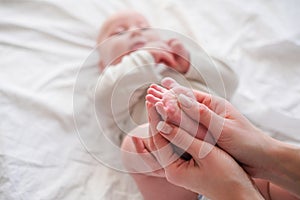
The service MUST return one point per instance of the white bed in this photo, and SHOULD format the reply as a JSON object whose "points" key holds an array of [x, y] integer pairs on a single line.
{"points": [[43, 45]]}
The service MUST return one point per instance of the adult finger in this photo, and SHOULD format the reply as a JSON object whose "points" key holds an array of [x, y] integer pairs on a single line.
{"points": [[202, 114], [199, 112], [176, 88], [205, 98], [185, 122], [158, 145], [153, 118], [179, 137], [139, 160], [153, 167]]}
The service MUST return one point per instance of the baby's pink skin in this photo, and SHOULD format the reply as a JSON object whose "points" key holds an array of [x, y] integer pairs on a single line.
{"points": [[167, 106], [181, 55]]}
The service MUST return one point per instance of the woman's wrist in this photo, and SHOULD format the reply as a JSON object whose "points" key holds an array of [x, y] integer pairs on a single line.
{"points": [[249, 193], [244, 190], [286, 163]]}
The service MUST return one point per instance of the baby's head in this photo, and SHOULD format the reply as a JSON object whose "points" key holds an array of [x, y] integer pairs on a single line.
{"points": [[128, 31]]}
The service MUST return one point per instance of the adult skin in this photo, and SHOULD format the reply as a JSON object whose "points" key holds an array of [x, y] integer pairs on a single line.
{"points": [[260, 155], [211, 171]]}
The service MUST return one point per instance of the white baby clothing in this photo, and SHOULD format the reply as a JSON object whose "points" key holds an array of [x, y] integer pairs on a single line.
{"points": [[121, 89]]}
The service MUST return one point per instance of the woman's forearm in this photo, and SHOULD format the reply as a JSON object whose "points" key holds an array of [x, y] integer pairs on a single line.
{"points": [[273, 192], [285, 171]]}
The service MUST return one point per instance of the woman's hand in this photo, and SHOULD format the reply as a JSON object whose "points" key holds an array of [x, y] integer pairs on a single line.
{"points": [[260, 155], [216, 117], [211, 171]]}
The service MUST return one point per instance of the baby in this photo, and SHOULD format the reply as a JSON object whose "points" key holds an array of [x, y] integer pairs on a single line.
{"points": [[133, 56]]}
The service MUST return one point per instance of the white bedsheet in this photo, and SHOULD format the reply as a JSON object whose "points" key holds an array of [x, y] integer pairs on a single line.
{"points": [[43, 44]]}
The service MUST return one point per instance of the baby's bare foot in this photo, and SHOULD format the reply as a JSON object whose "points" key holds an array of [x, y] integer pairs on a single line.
{"points": [[166, 103]]}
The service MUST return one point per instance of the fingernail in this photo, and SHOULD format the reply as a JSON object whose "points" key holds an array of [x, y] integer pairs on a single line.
{"points": [[164, 128], [185, 101]]}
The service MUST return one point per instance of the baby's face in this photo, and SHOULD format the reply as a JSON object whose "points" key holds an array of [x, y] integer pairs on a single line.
{"points": [[127, 31]]}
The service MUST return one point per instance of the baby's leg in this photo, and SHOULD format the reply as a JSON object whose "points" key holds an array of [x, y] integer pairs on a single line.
{"points": [[152, 185]]}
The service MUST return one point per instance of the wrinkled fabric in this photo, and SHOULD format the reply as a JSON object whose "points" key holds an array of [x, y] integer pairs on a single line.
{"points": [[48, 132]]}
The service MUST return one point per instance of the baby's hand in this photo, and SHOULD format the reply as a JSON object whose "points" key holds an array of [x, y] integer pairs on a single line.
{"points": [[162, 53], [181, 55], [172, 53]]}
